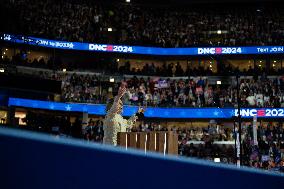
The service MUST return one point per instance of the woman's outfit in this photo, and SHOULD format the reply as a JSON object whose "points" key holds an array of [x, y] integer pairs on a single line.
{"points": [[114, 123]]}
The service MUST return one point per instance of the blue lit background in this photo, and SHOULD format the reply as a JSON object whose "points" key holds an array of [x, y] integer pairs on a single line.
{"points": [[99, 109], [142, 50]]}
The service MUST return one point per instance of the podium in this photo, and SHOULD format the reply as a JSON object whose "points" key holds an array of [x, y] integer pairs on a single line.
{"points": [[165, 142]]}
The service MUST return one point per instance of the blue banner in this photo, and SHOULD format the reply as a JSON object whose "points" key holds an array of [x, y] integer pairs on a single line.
{"points": [[196, 51], [196, 113]]}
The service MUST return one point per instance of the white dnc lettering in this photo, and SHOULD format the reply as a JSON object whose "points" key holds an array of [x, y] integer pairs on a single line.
{"points": [[96, 47], [246, 112], [206, 51]]}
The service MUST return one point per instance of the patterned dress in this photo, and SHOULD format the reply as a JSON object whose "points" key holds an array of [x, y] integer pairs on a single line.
{"points": [[115, 123]]}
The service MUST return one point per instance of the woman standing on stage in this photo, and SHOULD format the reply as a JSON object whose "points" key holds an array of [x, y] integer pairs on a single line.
{"points": [[114, 122]]}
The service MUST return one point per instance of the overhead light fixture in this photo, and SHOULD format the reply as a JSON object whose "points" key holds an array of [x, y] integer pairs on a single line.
{"points": [[111, 80], [64, 70], [217, 160], [127, 1], [274, 61], [117, 60], [2, 70], [260, 61], [219, 32], [259, 65], [219, 82], [210, 66], [6, 49], [109, 29], [273, 65]]}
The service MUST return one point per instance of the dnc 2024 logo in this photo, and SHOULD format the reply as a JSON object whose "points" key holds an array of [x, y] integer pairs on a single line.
{"points": [[110, 48], [261, 112], [219, 50]]}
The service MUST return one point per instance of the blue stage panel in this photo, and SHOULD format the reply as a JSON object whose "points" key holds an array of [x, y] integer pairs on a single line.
{"points": [[33, 161]]}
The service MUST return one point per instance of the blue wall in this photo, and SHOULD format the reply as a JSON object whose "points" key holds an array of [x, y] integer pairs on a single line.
{"points": [[31, 160]]}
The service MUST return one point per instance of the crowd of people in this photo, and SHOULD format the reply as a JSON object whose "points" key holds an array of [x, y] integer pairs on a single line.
{"points": [[175, 69], [169, 26], [112, 67], [60, 125], [80, 88], [202, 143], [267, 154], [259, 90], [131, 24], [194, 92]]}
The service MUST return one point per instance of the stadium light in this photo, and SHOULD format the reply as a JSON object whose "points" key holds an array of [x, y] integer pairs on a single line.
{"points": [[111, 80], [219, 82], [219, 32], [109, 29], [217, 160]]}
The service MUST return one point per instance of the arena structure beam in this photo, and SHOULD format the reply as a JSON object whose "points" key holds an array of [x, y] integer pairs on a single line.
{"points": [[33, 160]]}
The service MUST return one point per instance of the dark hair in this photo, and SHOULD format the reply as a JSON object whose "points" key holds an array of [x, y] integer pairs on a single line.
{"points": [[109, 104]]}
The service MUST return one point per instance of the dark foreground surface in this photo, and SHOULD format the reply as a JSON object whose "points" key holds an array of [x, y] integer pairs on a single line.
{"points": [[32, 160]]}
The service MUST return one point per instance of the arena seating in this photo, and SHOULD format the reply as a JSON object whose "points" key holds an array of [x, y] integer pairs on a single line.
{"points": [[255, 91], [149, 26], [40, 60]]}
